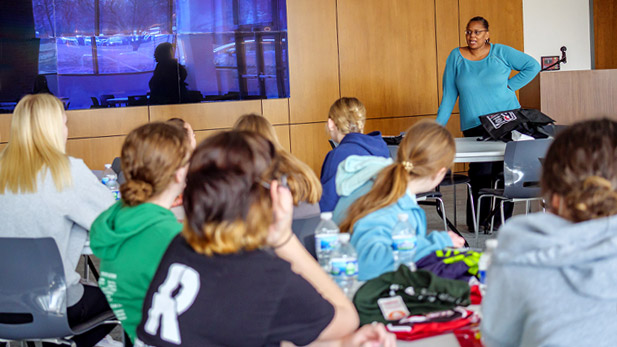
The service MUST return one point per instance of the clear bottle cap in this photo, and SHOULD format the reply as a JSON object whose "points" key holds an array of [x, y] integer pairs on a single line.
{"points": [[491, 243], [108, 166], [344, 237], [326, 215], [403, 217]]}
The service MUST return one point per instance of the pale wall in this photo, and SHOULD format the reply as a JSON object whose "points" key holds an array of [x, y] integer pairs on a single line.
{"points": [[550, 24]]}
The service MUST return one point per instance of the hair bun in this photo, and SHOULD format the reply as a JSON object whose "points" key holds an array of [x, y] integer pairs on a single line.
{"points": [[136, 191], [595, 199]]}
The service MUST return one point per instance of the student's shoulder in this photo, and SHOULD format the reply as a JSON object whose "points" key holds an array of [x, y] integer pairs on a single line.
{"points": [[385, 215]]}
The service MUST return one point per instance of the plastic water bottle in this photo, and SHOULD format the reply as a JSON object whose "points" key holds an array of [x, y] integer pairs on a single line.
{"points": [[404, 242], [326, 238], [485, 262], [108, 174], [344, 265], [114, 187]]}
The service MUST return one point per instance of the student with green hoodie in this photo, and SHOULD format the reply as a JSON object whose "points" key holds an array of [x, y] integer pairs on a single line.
{"points": [[132, 235]]}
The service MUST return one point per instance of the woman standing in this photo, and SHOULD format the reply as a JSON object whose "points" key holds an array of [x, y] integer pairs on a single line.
{"points": [[479, 76]]}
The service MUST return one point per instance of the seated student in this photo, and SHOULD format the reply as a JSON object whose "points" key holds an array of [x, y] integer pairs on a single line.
{"points": [[552, 280], [303, 183], [345, 124], [424, 156], [237, 275], [131, 236], [46, 193], [187, 127]]}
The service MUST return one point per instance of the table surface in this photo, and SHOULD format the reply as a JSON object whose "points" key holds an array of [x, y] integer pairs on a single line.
{"points": [[470, 150]]}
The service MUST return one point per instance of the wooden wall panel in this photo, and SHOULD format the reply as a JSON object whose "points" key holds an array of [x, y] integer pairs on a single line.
{"points": [[208, 115], [309, 142], [96, 152], [282, 132], [105, 122], [387, 55], [505, 18], [604, 30], [201, 135], [447, 33], [276, 110], [570, 96], [5, 126], [313, 59]]}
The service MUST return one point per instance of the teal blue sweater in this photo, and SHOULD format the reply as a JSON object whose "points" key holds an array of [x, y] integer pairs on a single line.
{"points": [[484, 86]]}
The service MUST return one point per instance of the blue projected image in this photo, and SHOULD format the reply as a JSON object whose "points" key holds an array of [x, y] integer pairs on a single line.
{"points": [[105, 56]]}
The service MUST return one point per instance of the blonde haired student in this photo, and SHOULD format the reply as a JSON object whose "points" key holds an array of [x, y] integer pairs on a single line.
{"points": [[302, 181], [46, 193], [345, 125], [423, 158]]}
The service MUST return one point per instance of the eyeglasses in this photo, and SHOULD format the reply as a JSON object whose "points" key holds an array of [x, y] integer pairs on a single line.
{"points": [[476, 32]]}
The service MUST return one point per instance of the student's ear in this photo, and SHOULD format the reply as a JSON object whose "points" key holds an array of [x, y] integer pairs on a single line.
{"points": [[180, 174], [331, 126], [441, 173]]}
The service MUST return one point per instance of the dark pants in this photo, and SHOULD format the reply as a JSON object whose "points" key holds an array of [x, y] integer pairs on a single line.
{"points": [[92, 303], [483, 175]]}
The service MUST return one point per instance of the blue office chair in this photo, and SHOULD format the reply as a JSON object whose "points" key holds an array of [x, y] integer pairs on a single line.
{"points": [[33, 294], [522, 168]]}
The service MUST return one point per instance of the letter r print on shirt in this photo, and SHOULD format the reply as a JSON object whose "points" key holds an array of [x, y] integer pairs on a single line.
{"points": [[165, 309]]}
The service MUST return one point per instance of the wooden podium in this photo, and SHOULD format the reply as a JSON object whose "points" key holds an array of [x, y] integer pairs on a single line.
{"points": [[570, 96]]}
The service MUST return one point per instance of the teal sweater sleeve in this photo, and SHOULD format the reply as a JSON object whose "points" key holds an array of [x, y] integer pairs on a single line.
{"points": [[527, 66], [450, 92], [372, 237], [484, 86]]}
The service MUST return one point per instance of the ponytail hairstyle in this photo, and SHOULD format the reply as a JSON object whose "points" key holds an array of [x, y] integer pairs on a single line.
{"points": [[303, 183], [150, 156], [37, 143], [426, 148], [227, 196], [581, 169], [349, 115]]}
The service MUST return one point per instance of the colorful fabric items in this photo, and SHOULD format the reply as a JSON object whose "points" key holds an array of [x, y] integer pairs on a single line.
{"points": [[452, 264], [431, 324], [421, 292]]}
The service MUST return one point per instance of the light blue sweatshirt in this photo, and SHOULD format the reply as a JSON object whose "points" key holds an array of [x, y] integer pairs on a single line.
{"points": [[552, 283], [484, 86], [354, 178], [372, 234]]}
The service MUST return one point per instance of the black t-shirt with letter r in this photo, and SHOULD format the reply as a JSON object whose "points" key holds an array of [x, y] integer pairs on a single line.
{"points": [[245, 299]]}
